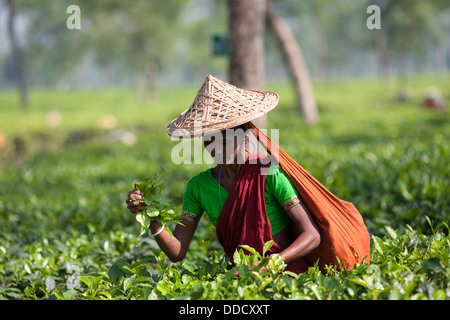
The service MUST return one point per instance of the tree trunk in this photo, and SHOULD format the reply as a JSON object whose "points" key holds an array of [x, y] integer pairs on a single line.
{"points": [[246, 28], [17, 53], [295, 63]]}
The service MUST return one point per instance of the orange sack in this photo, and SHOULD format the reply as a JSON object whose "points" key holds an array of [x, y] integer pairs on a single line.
{"points": [[344, 236]]}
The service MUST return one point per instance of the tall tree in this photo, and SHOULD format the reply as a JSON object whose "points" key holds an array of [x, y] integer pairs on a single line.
{"points": [[296, 64], [246, 28], [17, 52]]}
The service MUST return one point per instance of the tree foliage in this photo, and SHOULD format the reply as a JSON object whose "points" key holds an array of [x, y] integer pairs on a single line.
{"points": [[122, 38]]}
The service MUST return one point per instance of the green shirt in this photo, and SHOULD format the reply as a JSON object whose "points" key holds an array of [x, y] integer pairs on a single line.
{"points": [[202, 195]]}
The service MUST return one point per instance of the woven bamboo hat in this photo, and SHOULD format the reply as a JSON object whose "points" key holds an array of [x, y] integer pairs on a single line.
{"points": [[219, 106]]}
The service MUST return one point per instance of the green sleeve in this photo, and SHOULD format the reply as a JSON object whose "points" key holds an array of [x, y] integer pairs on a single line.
{"points": [[191, 201], [279, 185]]}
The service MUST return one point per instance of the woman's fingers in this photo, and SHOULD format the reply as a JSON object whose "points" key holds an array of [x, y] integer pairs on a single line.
{"points": [[136, 209], [136, 205], [136, 192], [134, 201], [135, 196]]}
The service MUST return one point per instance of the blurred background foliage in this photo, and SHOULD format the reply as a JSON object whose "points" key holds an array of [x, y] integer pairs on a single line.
{"points": [[147, 44]]}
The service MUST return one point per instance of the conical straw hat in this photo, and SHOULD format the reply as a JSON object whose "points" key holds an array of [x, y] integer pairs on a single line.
{"points": [[219, 106]]}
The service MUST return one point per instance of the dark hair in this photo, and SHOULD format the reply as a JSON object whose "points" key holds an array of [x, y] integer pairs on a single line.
{"points": [[242, 126]]}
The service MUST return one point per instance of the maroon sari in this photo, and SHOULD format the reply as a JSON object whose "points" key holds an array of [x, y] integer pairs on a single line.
{"points": [[243, 219]]}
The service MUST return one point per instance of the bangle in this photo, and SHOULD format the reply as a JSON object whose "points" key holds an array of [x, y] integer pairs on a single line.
{"points": [[291, 202], [156, 233]]}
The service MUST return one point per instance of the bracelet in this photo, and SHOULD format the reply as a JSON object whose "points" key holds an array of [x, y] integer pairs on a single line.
{"points": [[191, 217], [291, 202], [156, 233]]}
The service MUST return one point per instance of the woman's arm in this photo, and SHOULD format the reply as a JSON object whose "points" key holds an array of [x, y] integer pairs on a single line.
{"points": [[177, 246], [308, 234]]}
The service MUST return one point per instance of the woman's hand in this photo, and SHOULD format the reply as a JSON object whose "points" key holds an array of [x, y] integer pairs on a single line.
{"points": [[134, 200]]}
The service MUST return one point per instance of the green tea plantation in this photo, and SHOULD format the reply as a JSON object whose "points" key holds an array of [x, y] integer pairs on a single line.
{"points": [[68, 161]]}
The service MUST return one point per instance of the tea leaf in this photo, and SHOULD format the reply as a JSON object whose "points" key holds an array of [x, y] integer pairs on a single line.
{"points": [[114, 274], [157, 205], [391, 232], [267, 246]]}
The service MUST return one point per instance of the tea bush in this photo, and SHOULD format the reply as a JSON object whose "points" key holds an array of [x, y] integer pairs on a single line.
{"points": [[65, 232]]}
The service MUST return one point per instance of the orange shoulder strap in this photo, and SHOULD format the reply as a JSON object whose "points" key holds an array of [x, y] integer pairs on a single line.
{"points": [[344, 236]]}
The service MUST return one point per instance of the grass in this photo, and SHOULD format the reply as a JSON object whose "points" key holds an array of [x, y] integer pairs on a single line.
{"points": [[65, 232]]}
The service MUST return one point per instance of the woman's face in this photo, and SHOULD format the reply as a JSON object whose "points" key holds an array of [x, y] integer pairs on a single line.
{"points": [[227, 146]]}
